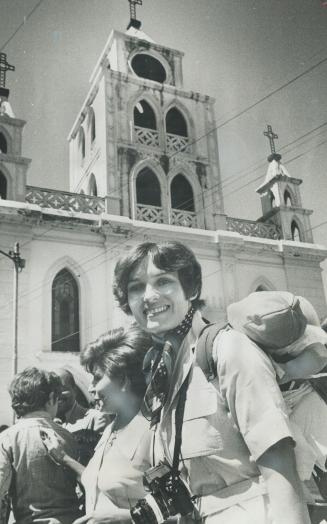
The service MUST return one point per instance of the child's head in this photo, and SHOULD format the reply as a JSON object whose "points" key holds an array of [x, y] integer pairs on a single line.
{"points": [[278, 321]]}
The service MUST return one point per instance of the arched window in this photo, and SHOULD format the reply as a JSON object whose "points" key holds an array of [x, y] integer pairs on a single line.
{"points": [[181, 194], [144, 115], [261, 288], [272, 199], [3, 143], [148, 191], [92, 125], [93, 188], [65, 312], [81, 140], [176, 123], [295, 231], [287, 199], [3, 186]]}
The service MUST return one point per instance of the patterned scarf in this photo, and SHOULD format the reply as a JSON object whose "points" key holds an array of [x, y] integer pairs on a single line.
{"points": [[158, 366]]}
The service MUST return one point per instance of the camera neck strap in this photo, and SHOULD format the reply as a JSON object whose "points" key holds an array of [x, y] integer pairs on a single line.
{"points": [[179, 416]]}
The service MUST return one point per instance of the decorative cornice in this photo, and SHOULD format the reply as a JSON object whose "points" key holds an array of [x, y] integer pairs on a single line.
{"points": [[278, 178], [14, 159], [17, 122], [162, 88]]}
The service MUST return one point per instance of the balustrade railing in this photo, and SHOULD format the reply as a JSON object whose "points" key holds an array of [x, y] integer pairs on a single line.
{"points": [[149, 213], [179, 217], [176, 143], [146, 137], [252, 228], [65, 200]]}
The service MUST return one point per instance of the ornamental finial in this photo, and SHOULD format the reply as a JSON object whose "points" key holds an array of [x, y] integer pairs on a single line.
{"points": [[132, 8]]}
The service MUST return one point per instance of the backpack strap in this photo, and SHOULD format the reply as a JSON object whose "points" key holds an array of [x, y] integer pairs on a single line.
{"points": [[204, 355]]}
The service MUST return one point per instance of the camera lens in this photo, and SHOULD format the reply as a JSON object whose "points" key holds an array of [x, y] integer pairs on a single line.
{"points": [[147, 511]]}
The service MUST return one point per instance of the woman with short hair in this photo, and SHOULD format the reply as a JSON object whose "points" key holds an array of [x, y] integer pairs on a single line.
{"points": [[235, 430], [113, 477]]}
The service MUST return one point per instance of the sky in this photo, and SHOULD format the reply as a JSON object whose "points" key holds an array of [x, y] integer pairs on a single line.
{"points": [[264, 61]]}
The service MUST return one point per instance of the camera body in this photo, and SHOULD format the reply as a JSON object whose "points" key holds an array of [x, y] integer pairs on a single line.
{"points": [[168, 496]]}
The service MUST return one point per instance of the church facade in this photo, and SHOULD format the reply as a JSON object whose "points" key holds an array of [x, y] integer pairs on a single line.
{"points": [[144, 165]]}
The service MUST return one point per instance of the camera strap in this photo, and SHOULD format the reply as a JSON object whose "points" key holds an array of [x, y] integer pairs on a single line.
{"points": [[179, 416]]}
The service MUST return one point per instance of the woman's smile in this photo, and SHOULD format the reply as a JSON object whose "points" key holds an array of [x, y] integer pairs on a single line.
{"points": [[153, 311], [156, 298]]}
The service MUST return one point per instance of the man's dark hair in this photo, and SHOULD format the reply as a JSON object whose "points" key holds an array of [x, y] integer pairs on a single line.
{"points": [[30, 390], [168, 256], [119, 354]]}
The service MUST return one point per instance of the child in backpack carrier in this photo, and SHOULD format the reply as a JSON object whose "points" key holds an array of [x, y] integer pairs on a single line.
{"points": [[286, 328]]}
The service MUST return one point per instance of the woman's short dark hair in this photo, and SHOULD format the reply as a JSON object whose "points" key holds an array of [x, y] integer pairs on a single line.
{"points": [[168, 256], [30, 390], [119, 354]]}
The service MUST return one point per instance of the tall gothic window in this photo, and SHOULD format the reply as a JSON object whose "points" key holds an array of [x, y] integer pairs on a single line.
{"points": [[144, 115], [92, 125], [176, 123], [65, 313], [181, 194], [3, 144], [93, 188], [148, 191], [295, 232], [3, 186], [81, 141]]}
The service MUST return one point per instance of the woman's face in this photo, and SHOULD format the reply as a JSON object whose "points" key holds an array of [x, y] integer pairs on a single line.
{"points": [[107, 392], [156, 298]]}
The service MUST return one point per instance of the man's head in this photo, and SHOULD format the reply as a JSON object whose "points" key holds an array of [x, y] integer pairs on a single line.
{"points": [[68, 391], [34, 390]]}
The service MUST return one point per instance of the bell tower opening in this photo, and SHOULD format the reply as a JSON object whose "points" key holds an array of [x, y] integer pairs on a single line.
{"points": [[176, 123], [287, 199], [3, 144], [182, 194], [295, 232], [144, 115], [3, 186], [148, 192]]}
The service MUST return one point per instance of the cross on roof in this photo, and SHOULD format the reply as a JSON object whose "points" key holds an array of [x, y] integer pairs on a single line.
{"points": [[132, 7], [271, 136], [4, 67]]}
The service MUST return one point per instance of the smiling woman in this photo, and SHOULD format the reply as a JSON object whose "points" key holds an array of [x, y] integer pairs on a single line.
{"points": [[221, 448], [113, 477]]}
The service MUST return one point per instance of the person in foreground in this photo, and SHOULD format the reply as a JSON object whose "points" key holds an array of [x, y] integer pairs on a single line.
{"points": [[113, 477], [237, 450], [38, 489]]}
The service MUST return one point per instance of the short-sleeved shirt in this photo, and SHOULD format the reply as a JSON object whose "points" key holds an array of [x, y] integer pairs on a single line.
{"points": [[114, 476], [228, 423], [38, 487]]}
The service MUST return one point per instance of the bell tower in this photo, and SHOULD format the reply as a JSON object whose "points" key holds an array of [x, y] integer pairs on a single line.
{"points": [[154, 151], [13, 167], [281, 198]]}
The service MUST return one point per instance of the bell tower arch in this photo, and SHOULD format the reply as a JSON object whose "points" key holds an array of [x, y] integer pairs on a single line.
{"points": [[281, 199], [144, 114]]}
